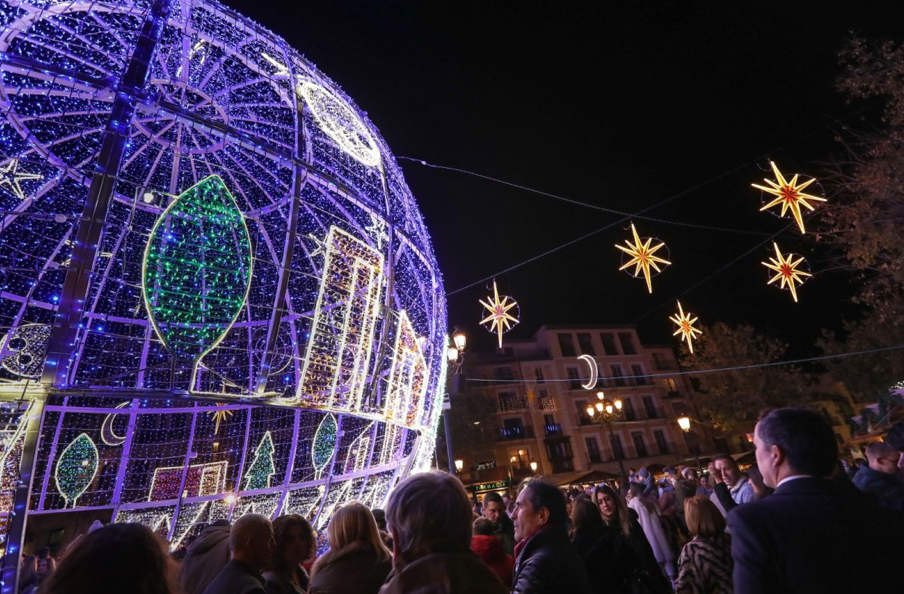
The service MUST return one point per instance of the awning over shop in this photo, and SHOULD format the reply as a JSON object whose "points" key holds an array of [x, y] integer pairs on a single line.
{"points": [[586, 476]]}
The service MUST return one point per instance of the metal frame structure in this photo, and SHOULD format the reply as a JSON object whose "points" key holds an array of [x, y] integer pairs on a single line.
{"points": [[110, 109]]}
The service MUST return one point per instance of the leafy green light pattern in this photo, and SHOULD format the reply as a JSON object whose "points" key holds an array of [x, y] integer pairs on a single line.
{"points": [[76, 468], [324, 442], [197, 269]]}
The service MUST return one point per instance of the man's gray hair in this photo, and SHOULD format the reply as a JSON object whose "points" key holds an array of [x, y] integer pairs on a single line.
{"points": [[428, 511], [247, 527]]}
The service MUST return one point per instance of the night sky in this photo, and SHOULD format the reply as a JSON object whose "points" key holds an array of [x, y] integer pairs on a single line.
{"points": [[617, 104]]}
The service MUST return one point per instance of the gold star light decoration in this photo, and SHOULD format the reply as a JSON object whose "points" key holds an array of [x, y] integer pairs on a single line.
{"points": [[685, 323], [219, 415], [642, 257], [789, 194], [10, 176], [501, 318], [785, 267]]}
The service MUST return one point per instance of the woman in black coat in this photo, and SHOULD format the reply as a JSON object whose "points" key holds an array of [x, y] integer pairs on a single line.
{"points": [[609, 560], [619, 518]]}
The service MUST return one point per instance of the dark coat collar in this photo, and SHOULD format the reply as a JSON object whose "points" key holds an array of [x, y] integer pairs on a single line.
{"points": [[815, 486]]}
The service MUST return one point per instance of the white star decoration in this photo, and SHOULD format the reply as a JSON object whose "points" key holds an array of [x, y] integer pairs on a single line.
{"points": [[10, 177]]}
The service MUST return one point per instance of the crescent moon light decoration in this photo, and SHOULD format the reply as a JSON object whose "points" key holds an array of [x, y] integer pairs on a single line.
{"points": [[107, 435], [594, 371]]}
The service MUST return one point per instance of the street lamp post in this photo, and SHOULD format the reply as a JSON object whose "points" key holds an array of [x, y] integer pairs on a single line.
{"points": [[605, 412], [685, 424], [455, 354]]}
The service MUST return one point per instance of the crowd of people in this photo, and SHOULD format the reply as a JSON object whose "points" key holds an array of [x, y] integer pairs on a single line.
{"points": [[797, 522]]}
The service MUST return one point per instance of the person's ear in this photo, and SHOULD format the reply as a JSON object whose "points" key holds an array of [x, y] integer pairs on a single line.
{"points": [[777, 455], [543, 516]]}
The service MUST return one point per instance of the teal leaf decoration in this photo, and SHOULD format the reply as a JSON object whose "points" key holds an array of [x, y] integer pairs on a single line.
{"points": [[262, 467], [324, 444], [76, 468], [197, 267]]}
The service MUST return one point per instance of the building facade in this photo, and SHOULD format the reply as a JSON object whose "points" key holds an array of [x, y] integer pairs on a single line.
{"points": [[541, 388]]}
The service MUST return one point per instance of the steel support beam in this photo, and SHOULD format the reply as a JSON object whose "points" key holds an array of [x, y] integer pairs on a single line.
{"points": [[97, 205]]}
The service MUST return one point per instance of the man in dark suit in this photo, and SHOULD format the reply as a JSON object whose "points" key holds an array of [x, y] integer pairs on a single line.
{"points": [[814, 534]]}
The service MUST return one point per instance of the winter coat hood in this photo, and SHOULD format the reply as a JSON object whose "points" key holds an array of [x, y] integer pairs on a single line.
{"points": [[488, 548]]}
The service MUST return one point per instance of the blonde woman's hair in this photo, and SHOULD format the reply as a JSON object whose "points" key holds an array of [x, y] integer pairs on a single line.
{"points": [[703, 517], [353, 523]]}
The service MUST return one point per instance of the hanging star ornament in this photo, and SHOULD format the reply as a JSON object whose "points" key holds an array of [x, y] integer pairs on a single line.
{"points": [[643, 257], [499, 320], [789, 194], [685, 323], [219, 415], [786, 271], [10, 177]]}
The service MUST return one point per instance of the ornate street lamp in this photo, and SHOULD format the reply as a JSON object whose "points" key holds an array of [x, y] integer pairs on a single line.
{"points": [[685, 424], [533, 466], [455, 353], [459, 464], [605, 412]]}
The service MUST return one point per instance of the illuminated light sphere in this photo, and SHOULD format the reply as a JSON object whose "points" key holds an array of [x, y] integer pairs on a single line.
{"points": [[789, 194], [504, 313], [213, 268], [641, 254], [685, 323], [786, 270]]}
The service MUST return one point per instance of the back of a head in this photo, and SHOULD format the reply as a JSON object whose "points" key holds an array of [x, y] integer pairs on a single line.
{"points": [[482, 527], [380, 517], [427, 511], [585, 513], [703, 517], [895, 436], [113, 559], [807, 441], [282, 526], [354, 524], [543, 494], [246, 528]]}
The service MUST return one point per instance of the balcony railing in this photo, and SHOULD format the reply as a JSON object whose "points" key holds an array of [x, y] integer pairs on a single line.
{"points": [[512, 405], [510, 433], [548, 404], [554, 429]]}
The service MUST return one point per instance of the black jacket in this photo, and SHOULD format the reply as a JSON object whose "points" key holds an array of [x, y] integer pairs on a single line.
{"points": [[549, 564], [236, 578], [816, 536], [608, 557]]}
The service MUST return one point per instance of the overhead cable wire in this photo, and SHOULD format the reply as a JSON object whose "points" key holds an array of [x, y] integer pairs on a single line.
{"points": [[627, 216], [712, 370]]}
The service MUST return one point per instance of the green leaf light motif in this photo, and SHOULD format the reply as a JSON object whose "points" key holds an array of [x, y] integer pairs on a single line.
{"points": [[76, 468], [324, 444], [197, 267]]}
